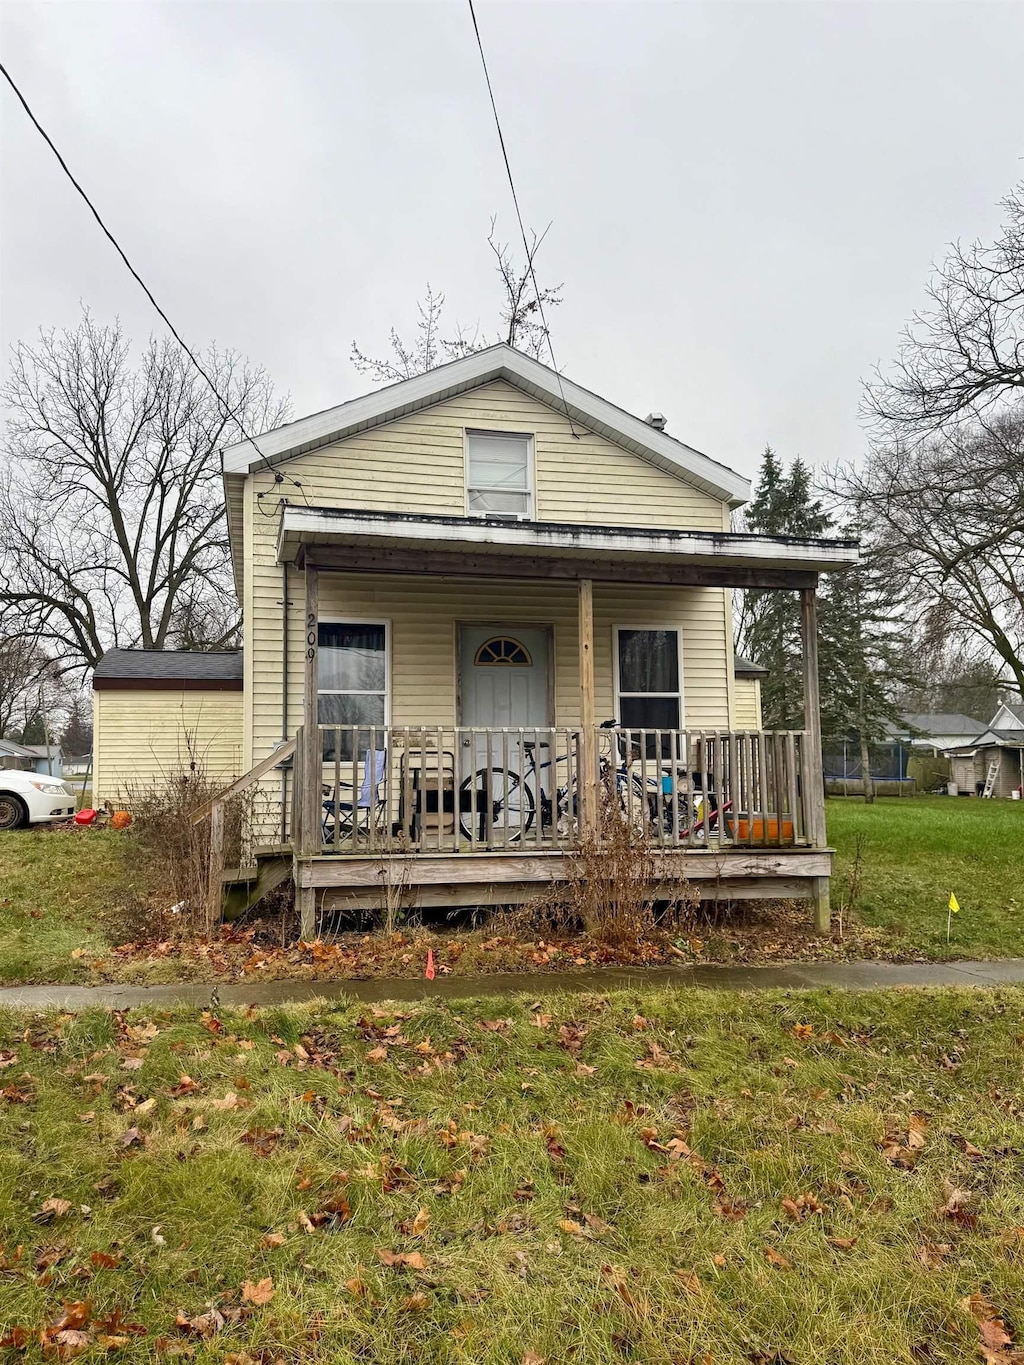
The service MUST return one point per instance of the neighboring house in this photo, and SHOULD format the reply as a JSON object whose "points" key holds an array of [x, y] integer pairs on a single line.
{"points": [[158, 712], [936, 732], [31, 758], [466, 574]]}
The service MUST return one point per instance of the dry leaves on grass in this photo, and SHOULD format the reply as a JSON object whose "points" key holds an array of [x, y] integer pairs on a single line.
{"points": [[401, 1260], [259, 1293], [996, 1339], [777, 1259]]}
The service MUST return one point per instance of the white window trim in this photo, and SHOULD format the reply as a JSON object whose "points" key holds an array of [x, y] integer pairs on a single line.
{"points": [[531, 472], [616, 690], [337, 620]]}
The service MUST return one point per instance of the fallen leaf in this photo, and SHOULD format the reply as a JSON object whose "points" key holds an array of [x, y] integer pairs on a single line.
{"points": [[420, 1223], [401, 1260], [777, 1259], [532, 1358], [205, 1325], [377, 1054], [615, 1278], [272, 1240], [260, 1292], [51, 1209], [842, 1243], [803, 1031], [689, 1280], [932, 1254], [415, 1303], [103, 1260]]}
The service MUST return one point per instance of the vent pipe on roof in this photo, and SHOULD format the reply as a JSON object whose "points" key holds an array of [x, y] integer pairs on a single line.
{"points": [[656, 420]]}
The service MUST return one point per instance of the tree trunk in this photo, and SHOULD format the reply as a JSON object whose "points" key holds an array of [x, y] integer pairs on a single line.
{"points": [[865, 769]]}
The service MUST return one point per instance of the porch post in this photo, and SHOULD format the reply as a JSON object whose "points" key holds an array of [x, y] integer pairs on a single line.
{"points": [[588, 754], [813, 773], [312, 757]]}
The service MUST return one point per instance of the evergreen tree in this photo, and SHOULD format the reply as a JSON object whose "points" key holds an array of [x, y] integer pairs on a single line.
{"points": [[859, 651], [76, 737], [769, 622]]}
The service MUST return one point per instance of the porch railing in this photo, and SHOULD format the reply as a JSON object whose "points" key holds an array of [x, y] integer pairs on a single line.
{"points": [[463, 789]]}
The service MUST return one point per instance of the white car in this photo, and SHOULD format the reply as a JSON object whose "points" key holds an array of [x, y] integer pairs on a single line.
{"points": [[32, 799]]}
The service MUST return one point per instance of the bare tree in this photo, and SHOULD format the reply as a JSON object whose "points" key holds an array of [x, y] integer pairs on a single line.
{"points": [[22, 666], [521, 319], [112, 528], [963, 353], [948, 515]]}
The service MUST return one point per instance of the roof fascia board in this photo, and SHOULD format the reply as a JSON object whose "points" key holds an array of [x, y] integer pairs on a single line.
{"points": [[302, 523], [497, 362]]}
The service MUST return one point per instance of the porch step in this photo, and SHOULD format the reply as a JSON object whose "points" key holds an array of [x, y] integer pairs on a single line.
{"points": [[244, 887]]}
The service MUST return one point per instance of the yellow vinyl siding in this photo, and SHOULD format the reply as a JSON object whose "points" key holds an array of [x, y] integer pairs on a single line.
{"points": [[139, 737], [424, 612], [417, 464], [746, 713]]}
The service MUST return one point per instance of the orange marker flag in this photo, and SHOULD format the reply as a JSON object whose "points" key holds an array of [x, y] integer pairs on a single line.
{"points": [[429, 973]]}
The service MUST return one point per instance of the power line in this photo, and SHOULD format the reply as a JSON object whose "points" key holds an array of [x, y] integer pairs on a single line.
{"points": [[522, 229], [280, 478]]}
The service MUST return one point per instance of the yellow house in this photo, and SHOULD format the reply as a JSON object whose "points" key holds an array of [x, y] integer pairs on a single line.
{"points": [[480, 603]]}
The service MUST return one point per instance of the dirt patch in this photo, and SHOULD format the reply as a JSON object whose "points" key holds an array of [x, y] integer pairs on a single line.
{"points": [[774, 933]]}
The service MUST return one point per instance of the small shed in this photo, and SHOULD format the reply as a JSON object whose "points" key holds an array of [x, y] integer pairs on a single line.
{"points": [[160, 712], [970, 765], [747, 693]]}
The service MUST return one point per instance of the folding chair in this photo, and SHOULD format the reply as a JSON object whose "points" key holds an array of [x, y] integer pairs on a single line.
{"points": [[347, 818]]}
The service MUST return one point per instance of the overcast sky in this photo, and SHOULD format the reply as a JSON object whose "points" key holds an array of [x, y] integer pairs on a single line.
{"points": [[746, 198]]}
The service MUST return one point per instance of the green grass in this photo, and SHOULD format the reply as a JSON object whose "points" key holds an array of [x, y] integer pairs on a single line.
{"points": [[55, 890], [557, 1226], [915, 852]]}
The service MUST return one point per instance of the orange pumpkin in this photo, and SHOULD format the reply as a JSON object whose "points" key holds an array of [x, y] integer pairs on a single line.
{"points": [[120, 820]]}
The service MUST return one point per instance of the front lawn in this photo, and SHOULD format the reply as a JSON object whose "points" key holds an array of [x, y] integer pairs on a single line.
{"points": [[673, 1178], [914, 852], [71, 900]]}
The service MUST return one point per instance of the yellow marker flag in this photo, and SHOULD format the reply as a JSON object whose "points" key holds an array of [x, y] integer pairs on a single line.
{"points": [[954, 904]]}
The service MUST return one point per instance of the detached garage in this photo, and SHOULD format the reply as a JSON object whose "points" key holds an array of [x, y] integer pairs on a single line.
{"points": [[158, 712]]}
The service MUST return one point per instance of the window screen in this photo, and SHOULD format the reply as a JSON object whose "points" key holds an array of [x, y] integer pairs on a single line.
{"points": [[499, 474]]}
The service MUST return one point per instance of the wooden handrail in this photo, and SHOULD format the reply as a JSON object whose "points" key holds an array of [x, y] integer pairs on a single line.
{"points": [[283, 751]]}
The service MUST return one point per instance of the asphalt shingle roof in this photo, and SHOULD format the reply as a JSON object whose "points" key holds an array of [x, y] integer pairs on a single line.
{"points": [[170, 665]]}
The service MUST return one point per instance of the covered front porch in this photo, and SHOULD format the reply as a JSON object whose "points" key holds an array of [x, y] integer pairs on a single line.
{"points": [[535, 751]]}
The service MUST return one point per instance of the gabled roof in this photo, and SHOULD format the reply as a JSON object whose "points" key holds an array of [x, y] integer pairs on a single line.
{"points": [[469, 372], [13, 749], [746, 668], [1015, 709], [190, 668], [943, 723]]}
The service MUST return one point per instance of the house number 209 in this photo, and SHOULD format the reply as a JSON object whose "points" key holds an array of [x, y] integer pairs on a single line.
{"points": [[311, 634]]}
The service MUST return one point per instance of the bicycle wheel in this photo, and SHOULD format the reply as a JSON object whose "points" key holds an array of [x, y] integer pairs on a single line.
{"points": [[506, 816]]}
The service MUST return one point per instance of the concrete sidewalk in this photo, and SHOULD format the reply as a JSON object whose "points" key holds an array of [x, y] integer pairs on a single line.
{"points": [[797, 976]]}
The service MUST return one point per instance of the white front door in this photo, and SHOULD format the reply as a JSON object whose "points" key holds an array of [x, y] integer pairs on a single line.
{"points": [[505, 684]]}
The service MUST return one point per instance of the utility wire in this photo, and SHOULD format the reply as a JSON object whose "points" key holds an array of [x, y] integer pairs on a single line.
{"points": [[522, 229], [280, 478]]}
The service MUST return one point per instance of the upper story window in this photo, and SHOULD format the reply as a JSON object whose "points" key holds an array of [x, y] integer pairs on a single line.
{"points": [[499, 476]]}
